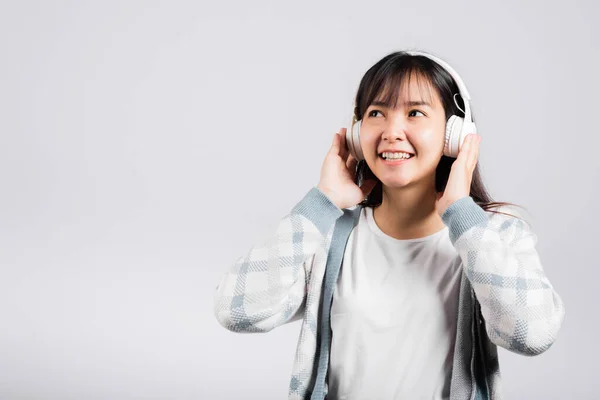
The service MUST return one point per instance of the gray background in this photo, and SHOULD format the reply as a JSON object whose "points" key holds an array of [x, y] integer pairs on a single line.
{"points": [[147, 145]]}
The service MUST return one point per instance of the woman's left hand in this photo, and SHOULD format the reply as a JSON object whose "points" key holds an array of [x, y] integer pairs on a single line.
{"points": [[461, 174]]}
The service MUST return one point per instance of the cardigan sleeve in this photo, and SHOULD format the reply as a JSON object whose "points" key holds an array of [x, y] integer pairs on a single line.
{"points": [[266, 287], [522, 311]]}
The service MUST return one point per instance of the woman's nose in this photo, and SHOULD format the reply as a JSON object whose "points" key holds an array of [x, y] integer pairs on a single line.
{"points": [[394, 131]]}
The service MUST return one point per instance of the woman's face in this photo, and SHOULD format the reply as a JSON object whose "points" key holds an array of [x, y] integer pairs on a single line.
{"points": [[417, 126]]}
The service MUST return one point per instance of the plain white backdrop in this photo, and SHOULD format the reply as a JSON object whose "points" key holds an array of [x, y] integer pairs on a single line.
{"points": [[146, 145]]}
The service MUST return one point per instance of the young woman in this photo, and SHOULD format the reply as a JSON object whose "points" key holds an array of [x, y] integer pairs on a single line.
{"points": [[407, 294]]}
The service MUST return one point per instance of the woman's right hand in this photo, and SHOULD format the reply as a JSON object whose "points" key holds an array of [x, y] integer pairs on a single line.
{"points": [[338, 174]]}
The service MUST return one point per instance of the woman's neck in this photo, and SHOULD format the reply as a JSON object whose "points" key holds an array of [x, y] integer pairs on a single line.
{"points": [[408, 213]]}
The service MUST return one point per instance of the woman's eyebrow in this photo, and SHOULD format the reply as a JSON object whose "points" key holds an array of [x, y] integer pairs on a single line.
{"points": [[408, 103], [416, 103]]}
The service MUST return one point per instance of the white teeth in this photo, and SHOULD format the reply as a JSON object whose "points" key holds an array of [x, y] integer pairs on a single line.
{"points": [[389, 155]]}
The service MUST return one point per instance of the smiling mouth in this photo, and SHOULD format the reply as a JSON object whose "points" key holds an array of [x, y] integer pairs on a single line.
{"points": [[395, 159]]}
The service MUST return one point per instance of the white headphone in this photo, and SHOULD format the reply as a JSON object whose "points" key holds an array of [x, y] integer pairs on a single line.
{"points": [[457, 128]]}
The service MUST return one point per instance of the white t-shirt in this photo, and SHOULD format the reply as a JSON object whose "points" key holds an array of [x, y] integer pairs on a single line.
{"points": [[393, 316]]}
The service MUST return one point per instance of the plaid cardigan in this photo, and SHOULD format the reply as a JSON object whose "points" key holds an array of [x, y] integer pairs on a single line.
{"points": [[505, 297]]}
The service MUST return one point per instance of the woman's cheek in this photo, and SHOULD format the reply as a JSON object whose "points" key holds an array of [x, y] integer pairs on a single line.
{"points": [[428, 139]]}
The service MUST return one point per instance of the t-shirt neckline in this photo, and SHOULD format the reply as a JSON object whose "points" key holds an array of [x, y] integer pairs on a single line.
{"points": [[376, 230]]}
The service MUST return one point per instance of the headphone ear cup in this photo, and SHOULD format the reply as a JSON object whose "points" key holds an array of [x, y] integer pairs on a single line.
{"points": [[452, 142], [353, 141]]}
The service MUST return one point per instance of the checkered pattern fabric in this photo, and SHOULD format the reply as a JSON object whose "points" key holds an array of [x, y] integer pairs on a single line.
{"points": [[282, 280], [521, 309]]}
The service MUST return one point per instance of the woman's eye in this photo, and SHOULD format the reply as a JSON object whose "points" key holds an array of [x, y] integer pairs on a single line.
{"points": [[372, 112], [414, 111]]}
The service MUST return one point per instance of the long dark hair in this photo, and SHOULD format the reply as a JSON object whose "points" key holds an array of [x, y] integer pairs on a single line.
{"points": [[384, 79]]}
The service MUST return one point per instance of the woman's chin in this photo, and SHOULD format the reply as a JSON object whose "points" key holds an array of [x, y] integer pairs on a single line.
{"points": [[395, 183]]}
